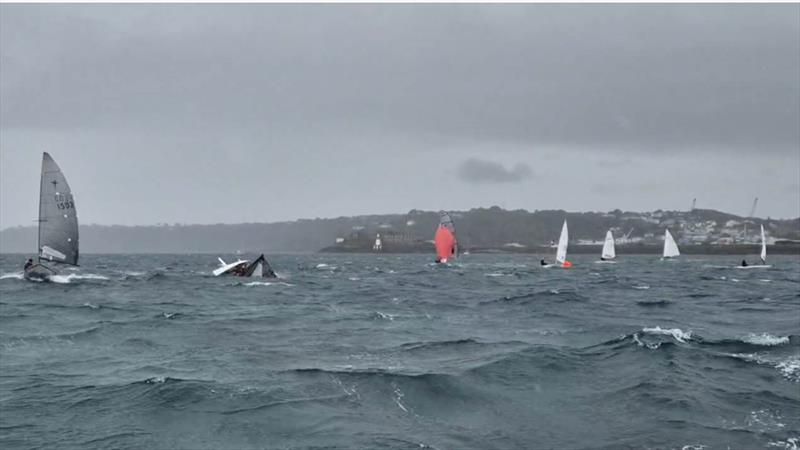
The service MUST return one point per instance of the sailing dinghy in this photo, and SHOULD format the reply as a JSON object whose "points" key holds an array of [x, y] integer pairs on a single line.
{"points": [[445, 239], [763, 255], [609, 253], [561, 252], [670, 247], [58, 223], [259, 268]]}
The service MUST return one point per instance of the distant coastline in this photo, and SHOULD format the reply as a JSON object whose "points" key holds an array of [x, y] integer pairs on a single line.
{"points": [[479, 230]]}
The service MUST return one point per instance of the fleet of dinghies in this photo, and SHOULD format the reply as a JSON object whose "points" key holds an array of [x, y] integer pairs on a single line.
{"points": [[58, 237]]}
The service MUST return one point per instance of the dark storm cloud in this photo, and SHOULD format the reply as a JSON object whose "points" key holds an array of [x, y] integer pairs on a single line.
{"points": [[633, 76], [480, 171], [181, 112]]}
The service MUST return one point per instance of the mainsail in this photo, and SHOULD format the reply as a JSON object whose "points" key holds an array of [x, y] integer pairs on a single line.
{"points": [[58, 219], [561, 253], [608, 247], [445, 238], [763, 246], [670, 247]]}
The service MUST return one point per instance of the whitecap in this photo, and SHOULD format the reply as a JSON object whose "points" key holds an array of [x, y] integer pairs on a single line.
{"points": [[354, 279], [642, 287], [91, 306], [678, 334], [259, 283], [790, 368], [788, 444], [12, 275], [388, 317], [65, 279], [765, 339], [495, 274]]}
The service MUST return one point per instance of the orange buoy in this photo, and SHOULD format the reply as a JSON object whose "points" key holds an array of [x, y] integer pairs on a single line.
{"points": [[567, 265]]}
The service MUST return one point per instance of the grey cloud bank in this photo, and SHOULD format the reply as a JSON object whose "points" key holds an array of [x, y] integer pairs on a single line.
{"points": [[479, 171], [178, 113]]}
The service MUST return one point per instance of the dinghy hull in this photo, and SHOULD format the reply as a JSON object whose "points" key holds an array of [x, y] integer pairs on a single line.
{"points": [[38, 272]]}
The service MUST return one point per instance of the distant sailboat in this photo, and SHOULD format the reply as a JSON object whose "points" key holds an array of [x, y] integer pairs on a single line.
{"points": [[561, 252], [58, 223], [378, 246], [608, 253], [445, 239], [763, 254], [670, 247]]}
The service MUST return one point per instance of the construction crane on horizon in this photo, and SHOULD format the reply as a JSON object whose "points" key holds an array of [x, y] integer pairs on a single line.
{"points": [[753, 209]]}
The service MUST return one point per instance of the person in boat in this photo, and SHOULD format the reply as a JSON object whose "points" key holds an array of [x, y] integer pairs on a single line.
{"points": [[603, 259], [744, 263], [28, 264], [543, 262]]}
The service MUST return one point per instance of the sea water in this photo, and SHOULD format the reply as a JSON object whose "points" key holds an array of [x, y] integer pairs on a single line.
{"points": [[393, 351]]}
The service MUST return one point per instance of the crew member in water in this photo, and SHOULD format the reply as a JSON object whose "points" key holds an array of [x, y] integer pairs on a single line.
{"points": [[28, 263], [744, 263]]}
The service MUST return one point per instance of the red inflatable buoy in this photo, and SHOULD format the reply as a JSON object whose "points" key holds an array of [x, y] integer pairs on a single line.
{"points": [[567, 265]]}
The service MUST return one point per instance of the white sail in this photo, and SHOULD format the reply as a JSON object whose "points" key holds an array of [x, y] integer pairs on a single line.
{"points": [[763, 246], [58, 220], [670, 247], [561, 253], [608, 247]]}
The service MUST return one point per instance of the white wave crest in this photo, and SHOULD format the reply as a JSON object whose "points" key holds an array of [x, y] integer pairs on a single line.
{"points": [[65, 279], [644, 286], [12, 275], [788, 444], [790, 368], [267, 283], [765, 339], [678, 334]]}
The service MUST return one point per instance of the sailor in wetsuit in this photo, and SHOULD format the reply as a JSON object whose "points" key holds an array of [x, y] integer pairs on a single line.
{"points": [[542, 262], [28, 263], [744, 263], [602, 259]]}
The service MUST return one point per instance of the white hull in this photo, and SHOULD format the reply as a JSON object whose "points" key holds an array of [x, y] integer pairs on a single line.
{"points": [[755, 266]]}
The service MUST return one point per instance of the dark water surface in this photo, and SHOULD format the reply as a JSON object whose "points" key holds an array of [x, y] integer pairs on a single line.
{"points": [[363, 351]]}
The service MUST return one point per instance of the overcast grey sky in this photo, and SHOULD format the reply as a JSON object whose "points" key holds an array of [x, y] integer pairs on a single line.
{"points": [[210, 113]]}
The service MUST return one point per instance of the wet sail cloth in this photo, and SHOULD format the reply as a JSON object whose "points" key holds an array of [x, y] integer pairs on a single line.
{"points": [[445, 239], [670, 247], [563, 240], [58, 218], [608, 247], [260, 268]]}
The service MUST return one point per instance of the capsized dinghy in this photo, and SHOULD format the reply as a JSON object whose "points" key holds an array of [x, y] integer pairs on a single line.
{"points": [[259, 268]]}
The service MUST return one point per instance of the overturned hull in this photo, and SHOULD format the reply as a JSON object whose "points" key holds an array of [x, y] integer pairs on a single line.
{"points": [[38, 272], [259, 268]]}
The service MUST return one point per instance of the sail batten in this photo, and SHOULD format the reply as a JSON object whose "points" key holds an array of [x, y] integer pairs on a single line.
{"points": [[58, 218], [670, 247], [609, 252], [563, 240]]}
